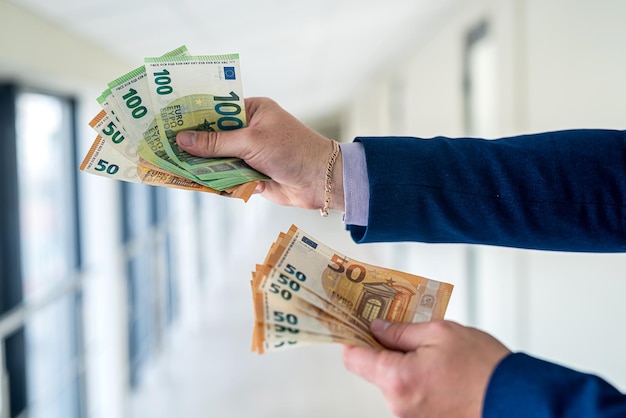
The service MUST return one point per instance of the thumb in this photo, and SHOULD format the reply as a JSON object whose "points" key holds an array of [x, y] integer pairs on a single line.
{"points": [[399, 336], [210, 144]]}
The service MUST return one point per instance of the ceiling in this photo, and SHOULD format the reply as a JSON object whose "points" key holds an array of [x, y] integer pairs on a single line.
{"points": [[310, 56]]}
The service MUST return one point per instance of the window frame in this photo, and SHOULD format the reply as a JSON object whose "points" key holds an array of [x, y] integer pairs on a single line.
{"points": [[15, 311]]}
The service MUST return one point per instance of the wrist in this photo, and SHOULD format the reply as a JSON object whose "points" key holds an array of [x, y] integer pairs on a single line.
{"points": [[337, 199]]}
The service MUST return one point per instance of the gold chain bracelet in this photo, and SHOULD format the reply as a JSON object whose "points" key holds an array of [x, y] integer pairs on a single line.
{"points": [[329, 178]]}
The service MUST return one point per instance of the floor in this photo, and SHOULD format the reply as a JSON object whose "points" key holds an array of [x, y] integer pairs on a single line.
{"points": [[213, 374], [208, 370]]}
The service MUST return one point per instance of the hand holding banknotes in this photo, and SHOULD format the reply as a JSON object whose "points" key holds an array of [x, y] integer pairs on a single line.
{"points": [[432, 369], [306, 292], [280, 146]]}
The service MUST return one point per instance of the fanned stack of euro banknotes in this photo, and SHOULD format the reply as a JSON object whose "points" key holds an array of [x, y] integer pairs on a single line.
{"points": [[143, 110], [306, 292]]}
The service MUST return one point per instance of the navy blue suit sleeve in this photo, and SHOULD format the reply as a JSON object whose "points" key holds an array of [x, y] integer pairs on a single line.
{"points": [[522, 386], [563, 190]]}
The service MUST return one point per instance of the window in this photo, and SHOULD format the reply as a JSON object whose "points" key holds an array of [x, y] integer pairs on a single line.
{"points": [[152, 294], [371, 309], [46, 188], [481, 109], [41, 303], [480, 71]]}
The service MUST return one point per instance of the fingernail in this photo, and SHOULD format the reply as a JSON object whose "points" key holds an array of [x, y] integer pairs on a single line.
{"points": [[186, 139], [379, 325]]}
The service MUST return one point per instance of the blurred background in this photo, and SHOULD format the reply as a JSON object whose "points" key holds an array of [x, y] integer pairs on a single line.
{"points": [[126, 301]]}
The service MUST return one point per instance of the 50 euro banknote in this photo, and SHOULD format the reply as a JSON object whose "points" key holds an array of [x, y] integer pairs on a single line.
{"points": [[104, 160], [305, 292]]}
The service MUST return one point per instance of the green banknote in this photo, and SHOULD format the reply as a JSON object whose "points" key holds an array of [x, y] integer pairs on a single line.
{"points": [[151, 149], [131, 146], [130, 95], [131, 92], [199, 93]]}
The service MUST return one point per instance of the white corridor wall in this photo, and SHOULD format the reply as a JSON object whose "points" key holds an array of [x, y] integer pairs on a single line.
{"points": [[560, 64]]}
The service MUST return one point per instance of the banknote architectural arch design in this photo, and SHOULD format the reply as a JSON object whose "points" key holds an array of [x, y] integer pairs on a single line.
{"points": [[385, 300]]}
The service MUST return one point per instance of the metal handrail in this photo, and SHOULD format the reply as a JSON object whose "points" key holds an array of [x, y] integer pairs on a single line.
{"points": [[16, 318]]}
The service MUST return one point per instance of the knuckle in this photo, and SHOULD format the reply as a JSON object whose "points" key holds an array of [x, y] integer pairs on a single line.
{"points": [[398, 385], [398, 330], [394, 378], [205, 141]]}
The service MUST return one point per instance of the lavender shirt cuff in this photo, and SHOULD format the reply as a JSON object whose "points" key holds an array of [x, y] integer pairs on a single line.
{"points": [[355, 184]]}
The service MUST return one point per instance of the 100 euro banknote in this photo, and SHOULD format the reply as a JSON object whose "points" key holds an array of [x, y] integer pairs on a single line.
{"points": [[131, 147], [201, 93]]}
